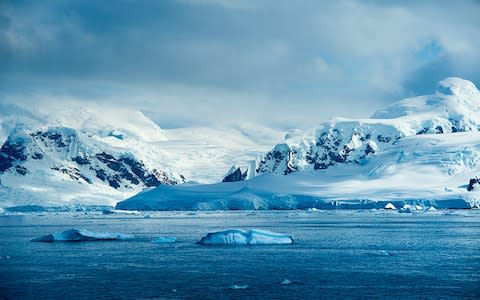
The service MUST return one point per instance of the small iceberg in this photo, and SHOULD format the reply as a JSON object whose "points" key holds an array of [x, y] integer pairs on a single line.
{"points": [[80, 235], [407, 208], [164, 240], [238, 287], [390, 206], [383, 253], [245, 237], [286, 282]]}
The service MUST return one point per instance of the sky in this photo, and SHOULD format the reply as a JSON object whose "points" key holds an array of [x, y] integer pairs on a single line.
{"points": [[286, 64]]}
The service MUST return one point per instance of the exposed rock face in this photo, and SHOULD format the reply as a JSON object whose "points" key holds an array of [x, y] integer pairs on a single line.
{"points": [[63, 152], [472, 183], [330, 146], [12, 153], [235, 174]]}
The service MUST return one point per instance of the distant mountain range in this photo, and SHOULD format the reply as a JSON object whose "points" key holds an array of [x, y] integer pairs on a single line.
{"points": [[422, 151]]}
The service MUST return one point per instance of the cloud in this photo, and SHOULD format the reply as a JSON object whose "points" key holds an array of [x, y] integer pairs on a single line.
{"points": [[279, 62]]}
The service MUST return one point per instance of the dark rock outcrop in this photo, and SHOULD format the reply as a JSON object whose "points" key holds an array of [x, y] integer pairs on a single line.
{"points": [[471, 184], [235, 174]]}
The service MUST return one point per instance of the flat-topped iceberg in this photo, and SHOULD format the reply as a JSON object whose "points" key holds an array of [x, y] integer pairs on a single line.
{"points": [[80, 235], [245, 237]]}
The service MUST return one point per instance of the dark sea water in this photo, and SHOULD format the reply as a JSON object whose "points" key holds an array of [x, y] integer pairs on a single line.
{"points": [[336, 254]]}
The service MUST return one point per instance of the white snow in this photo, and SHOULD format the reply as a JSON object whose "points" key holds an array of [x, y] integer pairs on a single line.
{"points": [[201, 154], [204, 154], [245, 237], [415, 171], [390, 206], [410, 166], [409, 161], [78, 235]]}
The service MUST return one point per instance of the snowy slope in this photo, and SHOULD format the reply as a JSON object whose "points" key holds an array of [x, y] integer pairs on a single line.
{"points": [[70, 154], [419, 151], [61, 165], [455, 107], [424, 170], [205, 154]]}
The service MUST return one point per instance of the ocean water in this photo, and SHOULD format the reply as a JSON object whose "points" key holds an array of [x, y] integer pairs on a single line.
{"points": [[336, 255]]}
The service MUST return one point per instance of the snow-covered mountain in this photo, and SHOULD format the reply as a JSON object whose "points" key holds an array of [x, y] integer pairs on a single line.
{"points": [[455, 107], [421, 151], [74, 154], [96, 161]]}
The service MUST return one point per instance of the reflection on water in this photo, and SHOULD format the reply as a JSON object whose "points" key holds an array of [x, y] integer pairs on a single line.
{"points": [[336, 254]]}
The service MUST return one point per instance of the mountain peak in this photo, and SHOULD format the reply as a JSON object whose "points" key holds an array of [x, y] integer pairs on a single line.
{"points": [[456, 86], [455, 98], [455, 107]]}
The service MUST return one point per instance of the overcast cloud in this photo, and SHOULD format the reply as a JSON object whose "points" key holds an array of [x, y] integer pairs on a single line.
{"points": [[284, 63]]}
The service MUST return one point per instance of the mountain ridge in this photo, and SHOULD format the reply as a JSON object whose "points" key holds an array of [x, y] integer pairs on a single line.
{"points": [[416, 154], [455, 107]]}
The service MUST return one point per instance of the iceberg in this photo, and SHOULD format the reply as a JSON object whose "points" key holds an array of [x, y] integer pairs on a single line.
{"points": [[383, 253], [245, 237], [80, 235], [390, 206]]}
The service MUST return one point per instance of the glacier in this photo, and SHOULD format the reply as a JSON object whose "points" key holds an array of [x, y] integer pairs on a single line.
{"points": [[245, 237], [418, 152]]}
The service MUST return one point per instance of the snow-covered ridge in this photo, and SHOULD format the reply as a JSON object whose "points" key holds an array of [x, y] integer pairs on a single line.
{"points": [[69, 145], [43, 160], [421, 152], [454, 107], [420, 170]]}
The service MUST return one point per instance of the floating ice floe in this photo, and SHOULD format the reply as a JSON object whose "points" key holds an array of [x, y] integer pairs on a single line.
{"points": [[120, 211], [164, 240], [79, 235], [383, 253], [238, 287], [407, 208], [245, 237]]}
